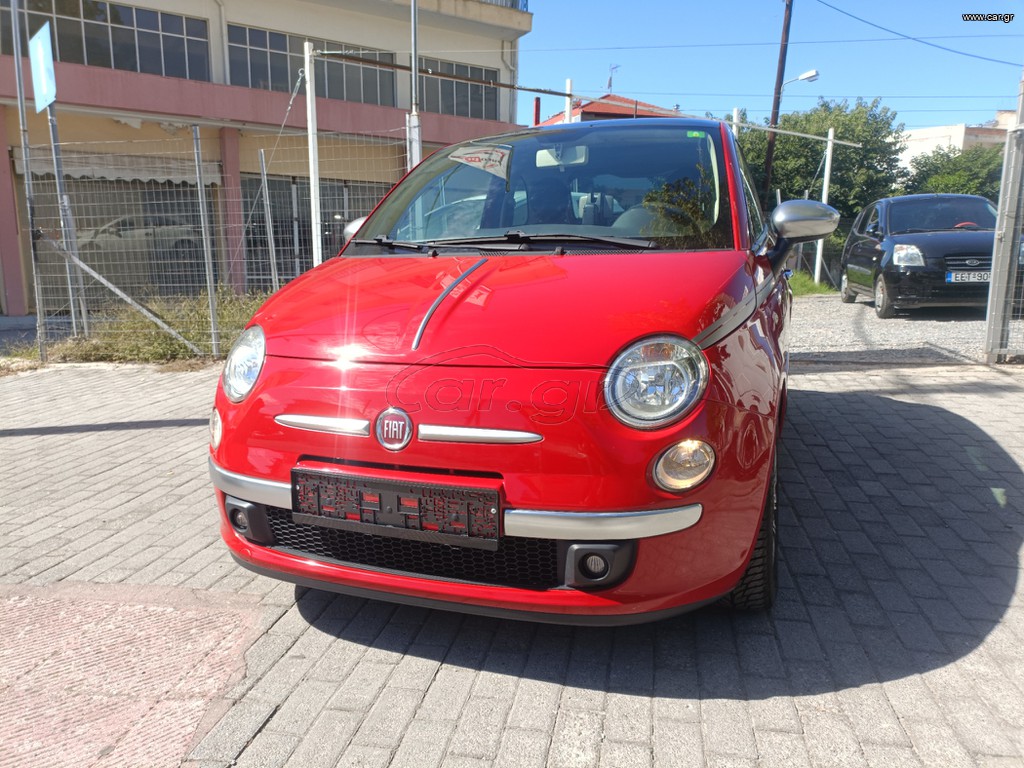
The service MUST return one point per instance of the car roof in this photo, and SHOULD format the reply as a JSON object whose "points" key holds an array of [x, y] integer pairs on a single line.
{"points": [[930, 196], [630, 124]]}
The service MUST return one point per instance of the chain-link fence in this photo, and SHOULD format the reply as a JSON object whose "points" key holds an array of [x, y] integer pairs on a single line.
{"points": [[131, 256]]}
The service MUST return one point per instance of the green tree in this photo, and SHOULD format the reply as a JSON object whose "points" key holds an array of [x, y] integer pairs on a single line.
{"points": [[859, 175], [974, 171]]}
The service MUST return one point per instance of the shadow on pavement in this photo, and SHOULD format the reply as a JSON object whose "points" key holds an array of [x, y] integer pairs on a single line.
{"points": [[922, 356], [901, 530], [109, 426]]}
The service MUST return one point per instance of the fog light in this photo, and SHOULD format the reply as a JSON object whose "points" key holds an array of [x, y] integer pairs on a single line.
{"points": [[239, 520], [216, 429], [594, 567], [684, 465]]}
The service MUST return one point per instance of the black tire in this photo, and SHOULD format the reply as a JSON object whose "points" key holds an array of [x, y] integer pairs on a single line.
{"points": [[756, 590], [883, 303], [846, 295]]}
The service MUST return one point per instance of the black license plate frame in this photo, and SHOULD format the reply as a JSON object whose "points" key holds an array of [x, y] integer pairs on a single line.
{"points": [[438, 513]]}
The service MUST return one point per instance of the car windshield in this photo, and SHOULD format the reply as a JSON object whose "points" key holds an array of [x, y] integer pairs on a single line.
{"points": [[936, 214], [656, 181]]}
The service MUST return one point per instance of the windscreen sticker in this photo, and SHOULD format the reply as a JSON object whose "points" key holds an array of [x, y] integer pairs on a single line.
{"points": [[494, 160]]}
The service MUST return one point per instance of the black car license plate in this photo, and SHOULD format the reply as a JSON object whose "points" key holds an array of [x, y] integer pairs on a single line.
{"points": [[443, 514], [968, 277]]}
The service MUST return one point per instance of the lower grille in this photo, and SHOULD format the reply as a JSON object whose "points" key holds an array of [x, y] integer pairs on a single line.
{"points": [[518, 562]]}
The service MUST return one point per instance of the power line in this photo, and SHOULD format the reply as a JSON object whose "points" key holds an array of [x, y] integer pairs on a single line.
{"points": [[900, 38], [921, 40], [685, 94]]}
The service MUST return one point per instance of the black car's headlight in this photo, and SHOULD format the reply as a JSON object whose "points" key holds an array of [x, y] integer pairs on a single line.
{"points": [[907, 256], [655, 381], [244, 363]]}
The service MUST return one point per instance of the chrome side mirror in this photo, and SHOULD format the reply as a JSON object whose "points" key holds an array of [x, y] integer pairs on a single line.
{"points": [[799, 221]]}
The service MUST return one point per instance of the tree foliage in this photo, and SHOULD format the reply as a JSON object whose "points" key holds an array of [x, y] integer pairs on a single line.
{"points": [[974, 171], [859, 175]]}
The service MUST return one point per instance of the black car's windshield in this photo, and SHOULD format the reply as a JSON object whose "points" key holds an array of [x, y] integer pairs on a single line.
{"points": [[659, 183], [935, 214]]}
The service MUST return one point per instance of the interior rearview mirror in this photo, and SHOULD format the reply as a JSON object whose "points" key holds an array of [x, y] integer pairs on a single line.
{"points": [[561, 155]]}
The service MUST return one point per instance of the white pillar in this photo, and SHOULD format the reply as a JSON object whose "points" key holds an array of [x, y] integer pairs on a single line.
{"points": [[314, 158], [824, 198]]}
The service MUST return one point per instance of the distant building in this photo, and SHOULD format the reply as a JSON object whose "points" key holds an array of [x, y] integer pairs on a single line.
{"points": [[608, 107], [147, 70], [924, 141]]}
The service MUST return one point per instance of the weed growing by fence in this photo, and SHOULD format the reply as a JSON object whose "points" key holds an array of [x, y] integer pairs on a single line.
{"points": [[120, 334]]}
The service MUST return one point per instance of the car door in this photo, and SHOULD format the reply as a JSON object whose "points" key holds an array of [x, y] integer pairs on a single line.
{"points": [[865, 248]]}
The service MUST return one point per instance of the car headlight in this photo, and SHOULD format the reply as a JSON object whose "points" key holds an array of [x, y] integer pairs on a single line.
{"points": [[655, 381], [244, 363], [907, 256]]}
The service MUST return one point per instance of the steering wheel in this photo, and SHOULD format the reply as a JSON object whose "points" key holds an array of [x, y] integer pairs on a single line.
{"points": [[964, 224]]}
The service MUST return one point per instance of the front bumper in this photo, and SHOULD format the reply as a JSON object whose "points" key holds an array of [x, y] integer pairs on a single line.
{"points": [[523, 523], [929, 288]]}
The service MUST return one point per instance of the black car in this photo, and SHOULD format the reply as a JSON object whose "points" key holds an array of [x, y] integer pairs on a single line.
{"points": [[920, 250]]}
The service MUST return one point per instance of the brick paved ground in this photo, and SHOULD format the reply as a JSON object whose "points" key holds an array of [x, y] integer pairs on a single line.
{"points": [[129, 638]]}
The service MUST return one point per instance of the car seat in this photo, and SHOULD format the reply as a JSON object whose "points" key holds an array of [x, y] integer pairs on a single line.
{"points": [[550, 202]]}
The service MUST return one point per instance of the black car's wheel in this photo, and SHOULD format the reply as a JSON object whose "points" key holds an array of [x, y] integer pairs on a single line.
{"points": [[846, 295], [756, 590], [883, 304]]}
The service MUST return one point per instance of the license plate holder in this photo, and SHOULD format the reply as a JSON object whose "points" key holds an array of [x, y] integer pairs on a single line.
{"points": [[431, 512]]}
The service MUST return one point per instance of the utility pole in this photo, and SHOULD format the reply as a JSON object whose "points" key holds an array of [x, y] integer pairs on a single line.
{"points": [[773, 122], [415, 140]]}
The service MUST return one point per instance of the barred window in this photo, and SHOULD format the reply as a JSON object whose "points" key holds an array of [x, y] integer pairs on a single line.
{"points": [[115, 36], [260, 58], [453, 97]]}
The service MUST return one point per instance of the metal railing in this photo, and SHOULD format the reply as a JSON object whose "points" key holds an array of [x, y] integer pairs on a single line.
{"points": [[515, 5]]}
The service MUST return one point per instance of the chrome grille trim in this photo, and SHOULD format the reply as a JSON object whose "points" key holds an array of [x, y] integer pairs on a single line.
{"points": [[329, 424], [437, 433]]}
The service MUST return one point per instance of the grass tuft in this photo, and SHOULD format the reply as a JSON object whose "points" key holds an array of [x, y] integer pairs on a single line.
{"points": [[120, 334], [803, 284]]}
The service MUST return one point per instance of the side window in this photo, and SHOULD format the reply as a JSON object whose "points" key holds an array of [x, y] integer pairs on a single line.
{"points": [[755, 218], [871, 224], [858, 223]]}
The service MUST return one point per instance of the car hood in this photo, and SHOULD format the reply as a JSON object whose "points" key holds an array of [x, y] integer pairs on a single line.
{"points": [[542, 310], [938, 244]]}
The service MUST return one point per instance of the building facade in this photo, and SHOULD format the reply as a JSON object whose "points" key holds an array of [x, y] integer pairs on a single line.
{"points": [[924, 141], [141, 75]]}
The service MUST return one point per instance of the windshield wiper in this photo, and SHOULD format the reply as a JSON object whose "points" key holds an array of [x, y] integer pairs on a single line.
{"points": [[517, 236], [394, 245], [431, 246]]}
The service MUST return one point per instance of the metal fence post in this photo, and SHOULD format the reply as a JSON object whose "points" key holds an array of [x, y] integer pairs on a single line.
{"points": [[267, 213], [67, 227], [207, 251], [37, 287], [1007, 242]]}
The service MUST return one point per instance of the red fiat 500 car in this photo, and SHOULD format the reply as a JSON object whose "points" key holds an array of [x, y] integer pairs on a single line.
{"points": [[544, 380]]}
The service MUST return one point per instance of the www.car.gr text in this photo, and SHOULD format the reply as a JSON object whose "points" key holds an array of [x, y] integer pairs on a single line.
{"points": [[1003, 17]]}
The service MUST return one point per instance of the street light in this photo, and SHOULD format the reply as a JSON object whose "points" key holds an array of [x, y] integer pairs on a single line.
{"points": [[809, 77]]}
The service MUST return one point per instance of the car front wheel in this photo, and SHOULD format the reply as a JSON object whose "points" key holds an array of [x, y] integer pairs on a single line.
{"points": [[883, 304], [846, 295]]}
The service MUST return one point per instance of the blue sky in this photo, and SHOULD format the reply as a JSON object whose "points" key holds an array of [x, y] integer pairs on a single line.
{"points": [[719, 54]]}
